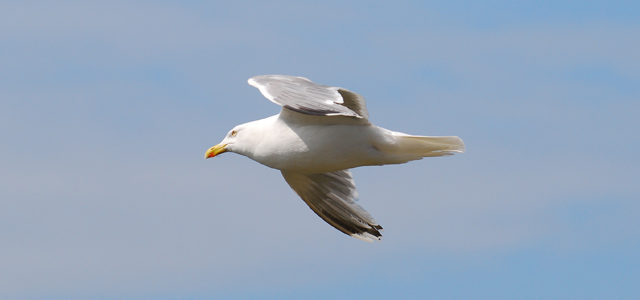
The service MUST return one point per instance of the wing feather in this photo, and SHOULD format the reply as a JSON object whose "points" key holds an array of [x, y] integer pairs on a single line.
{"points": [[332, 196], [301, 95]]}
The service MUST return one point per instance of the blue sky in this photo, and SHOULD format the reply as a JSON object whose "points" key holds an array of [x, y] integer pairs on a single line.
{"points": [[106, 109]]}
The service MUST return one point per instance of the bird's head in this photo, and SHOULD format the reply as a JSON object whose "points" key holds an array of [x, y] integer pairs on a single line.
{"points": [[227, 144], [242, 139]]}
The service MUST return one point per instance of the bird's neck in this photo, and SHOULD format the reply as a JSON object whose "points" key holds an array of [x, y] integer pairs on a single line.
{"points": [[253, 135]]}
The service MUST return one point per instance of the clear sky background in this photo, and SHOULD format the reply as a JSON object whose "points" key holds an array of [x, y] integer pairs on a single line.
{"points": [[106, 109]]}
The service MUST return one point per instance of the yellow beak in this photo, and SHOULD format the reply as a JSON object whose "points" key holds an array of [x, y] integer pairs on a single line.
{"points": [[215, 150]]}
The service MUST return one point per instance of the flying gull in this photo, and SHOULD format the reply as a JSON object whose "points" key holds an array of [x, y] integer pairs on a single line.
{"points": [[320, 133]]}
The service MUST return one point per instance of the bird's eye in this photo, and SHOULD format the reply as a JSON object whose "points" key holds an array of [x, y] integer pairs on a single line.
{"points": [[234, 133]]}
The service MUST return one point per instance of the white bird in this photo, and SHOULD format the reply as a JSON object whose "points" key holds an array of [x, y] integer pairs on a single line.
{"points": [[320, 133]]}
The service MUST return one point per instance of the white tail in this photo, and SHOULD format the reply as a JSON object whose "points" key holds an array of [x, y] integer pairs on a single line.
{"points": [[400, 147], [428, 146]]}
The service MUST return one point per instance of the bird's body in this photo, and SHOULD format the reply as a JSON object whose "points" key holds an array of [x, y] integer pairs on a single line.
{"points": [[320, 133], [297, 144]]}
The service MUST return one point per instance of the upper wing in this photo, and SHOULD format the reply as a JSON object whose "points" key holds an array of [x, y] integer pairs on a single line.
{"points": [[304, 96], [331, 196]]}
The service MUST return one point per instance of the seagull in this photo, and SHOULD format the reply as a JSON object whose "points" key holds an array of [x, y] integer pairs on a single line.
{"points": [[320, 133]]}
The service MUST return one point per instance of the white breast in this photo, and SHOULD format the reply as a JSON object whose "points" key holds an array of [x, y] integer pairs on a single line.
{"points": [[315, 148]]}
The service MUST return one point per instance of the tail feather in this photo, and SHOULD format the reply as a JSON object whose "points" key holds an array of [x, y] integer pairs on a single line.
{"points": [[429, 146]]}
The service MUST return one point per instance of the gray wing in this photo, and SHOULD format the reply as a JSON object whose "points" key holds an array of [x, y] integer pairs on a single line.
{"points": [[332, 197], [304, 96]]}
